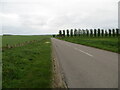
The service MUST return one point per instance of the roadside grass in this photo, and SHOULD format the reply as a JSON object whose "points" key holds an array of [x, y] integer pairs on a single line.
{"points": [[29, 66], [106, 43], [16, 39]]}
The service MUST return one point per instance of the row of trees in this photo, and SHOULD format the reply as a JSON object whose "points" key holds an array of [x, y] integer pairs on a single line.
{"points": [[89, 32]]}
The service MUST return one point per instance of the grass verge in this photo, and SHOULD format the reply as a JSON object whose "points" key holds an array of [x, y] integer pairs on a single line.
{"points": [[29, 66], [106, 43]]}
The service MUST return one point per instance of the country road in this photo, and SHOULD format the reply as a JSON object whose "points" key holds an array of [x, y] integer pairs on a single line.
{"points": [[86, 67]]}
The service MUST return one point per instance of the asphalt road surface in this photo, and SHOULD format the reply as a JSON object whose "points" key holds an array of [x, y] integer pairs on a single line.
{"points": [[86, 67]]}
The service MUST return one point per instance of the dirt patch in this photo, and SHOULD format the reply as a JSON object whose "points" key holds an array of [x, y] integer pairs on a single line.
{"points": [[47, 42]]}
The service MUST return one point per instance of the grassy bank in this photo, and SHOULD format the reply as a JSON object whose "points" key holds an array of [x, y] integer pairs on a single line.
{"points": [[28, 66], [106, 43]]}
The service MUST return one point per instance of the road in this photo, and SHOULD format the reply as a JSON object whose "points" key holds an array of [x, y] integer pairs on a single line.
{"points": [[86, 67]]}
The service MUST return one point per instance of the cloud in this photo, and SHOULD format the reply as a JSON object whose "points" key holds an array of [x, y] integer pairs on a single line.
{"points": [[10, 19], [49, 16]]}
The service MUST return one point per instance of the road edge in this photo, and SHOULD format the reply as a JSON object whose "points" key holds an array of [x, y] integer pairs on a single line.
{"points": [[57, 80]]}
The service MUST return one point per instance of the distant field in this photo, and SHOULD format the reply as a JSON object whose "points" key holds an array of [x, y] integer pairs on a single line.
{"points": [[28, 66], [106, 43], [15, 39]]}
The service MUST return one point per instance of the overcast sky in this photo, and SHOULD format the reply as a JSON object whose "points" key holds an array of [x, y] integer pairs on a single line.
{"points": [[50, 16]]}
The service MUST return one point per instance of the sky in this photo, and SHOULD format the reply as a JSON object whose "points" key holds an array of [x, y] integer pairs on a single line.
{"points": [[36, 17]]}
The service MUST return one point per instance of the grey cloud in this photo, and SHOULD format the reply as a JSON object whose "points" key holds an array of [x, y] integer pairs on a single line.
{"points": [[48, 16]]}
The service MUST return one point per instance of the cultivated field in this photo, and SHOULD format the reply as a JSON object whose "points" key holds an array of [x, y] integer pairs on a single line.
{"points": [[29, 65], [16, 39]]}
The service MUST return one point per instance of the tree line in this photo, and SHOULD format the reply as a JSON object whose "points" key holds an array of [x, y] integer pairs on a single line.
{"points": [[89, 33]]}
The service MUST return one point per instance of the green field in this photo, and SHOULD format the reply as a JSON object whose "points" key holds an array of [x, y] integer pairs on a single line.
{"points": [[28, 66], [16, 39], [106, 43]]}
